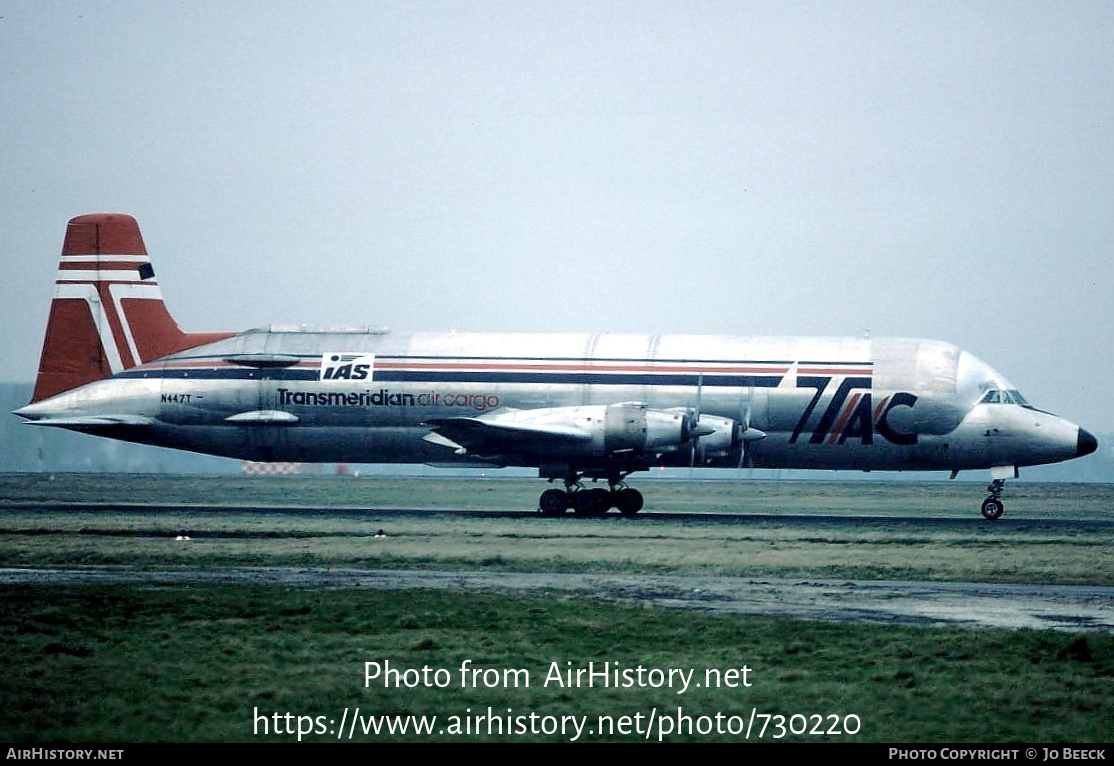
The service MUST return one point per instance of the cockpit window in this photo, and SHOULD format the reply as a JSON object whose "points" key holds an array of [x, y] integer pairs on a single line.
{"points": [[1002, 396]]}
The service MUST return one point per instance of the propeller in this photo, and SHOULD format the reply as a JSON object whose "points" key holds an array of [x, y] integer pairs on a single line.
{"points": [[747, 433], [695, 430]]}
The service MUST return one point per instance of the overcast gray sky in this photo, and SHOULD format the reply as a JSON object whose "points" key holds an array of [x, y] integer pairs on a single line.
{"points": [[936, 169]]}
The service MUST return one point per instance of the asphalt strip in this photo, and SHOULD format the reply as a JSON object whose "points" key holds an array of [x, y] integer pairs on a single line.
{"points": [[1057, 607]]}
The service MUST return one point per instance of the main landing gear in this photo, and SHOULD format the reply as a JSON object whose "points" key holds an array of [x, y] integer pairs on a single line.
{"points": [[992, 507], [590, 502]]}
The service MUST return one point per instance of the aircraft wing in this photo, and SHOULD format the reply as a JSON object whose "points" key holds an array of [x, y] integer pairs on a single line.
{"points": [[495, 437]]}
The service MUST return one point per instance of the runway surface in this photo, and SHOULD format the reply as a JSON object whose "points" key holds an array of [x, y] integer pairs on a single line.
{"points": [[646, 517], [1056, 607]]}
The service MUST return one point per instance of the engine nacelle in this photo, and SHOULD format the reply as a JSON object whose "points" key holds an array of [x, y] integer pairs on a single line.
{"points": [[637, 427], [719, 442], [634, 427], [597, 430]]}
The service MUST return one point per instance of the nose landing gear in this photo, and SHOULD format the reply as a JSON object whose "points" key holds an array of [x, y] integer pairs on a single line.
{"points": [[992, 507]]}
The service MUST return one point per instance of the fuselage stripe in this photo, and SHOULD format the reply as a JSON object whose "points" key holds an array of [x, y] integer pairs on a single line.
{"points": [[519, 365], [582, 367], [238, 372], [489, 370], [778, 365], [835, 371]]}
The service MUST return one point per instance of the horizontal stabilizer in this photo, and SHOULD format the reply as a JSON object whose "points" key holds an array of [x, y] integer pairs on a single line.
{"points": [[92, 421]]}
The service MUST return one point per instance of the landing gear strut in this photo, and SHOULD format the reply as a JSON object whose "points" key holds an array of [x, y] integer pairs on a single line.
{"points": [[590, 502], [992, 507]]}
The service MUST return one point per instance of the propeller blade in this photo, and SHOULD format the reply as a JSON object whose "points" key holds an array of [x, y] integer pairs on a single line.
{"points": [[747, 434], [695, 431]]}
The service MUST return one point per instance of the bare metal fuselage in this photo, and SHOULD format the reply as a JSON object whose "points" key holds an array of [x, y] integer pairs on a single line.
{"points": [[359, 395], [116, 364]]}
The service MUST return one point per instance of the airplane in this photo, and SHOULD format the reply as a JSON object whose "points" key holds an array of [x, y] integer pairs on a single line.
{"points": [[575, 406]]}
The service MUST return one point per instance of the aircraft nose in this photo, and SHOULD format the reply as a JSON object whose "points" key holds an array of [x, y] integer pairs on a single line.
{"points": [[1085, 444]]}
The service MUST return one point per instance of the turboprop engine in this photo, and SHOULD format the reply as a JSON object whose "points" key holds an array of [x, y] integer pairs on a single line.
{"points": [[711, 437], [631, 426], [599, 430], [635, 426]]}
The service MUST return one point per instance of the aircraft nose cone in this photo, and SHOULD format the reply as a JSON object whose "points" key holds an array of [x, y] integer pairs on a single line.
{"points": [[1086, 443]]}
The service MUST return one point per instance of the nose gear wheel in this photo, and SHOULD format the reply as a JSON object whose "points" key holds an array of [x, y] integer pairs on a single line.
{"points": [[992, 507]]}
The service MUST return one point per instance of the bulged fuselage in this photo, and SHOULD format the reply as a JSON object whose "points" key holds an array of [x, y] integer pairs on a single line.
{"points": [[363, 395], [116, 364]]}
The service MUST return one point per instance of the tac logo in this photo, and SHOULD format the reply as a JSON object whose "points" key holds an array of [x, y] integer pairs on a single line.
{"points": [[340, 366]]}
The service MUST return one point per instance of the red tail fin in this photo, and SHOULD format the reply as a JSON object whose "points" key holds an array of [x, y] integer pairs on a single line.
{"points": [[108, 314]]}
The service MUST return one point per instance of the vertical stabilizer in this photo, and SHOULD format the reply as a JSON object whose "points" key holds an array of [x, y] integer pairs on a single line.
{"points": [[108, 313]]}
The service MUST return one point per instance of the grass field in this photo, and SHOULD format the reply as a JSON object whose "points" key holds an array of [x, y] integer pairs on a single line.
{"points": [[132, 521], [197, 664], [857, 498], [165, 662]]}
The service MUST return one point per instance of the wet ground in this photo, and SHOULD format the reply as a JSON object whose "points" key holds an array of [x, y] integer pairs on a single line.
{"points": [[1057, 607]]}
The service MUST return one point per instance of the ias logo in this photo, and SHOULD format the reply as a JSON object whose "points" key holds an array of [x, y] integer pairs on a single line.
{"points": [[346, 366]]}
